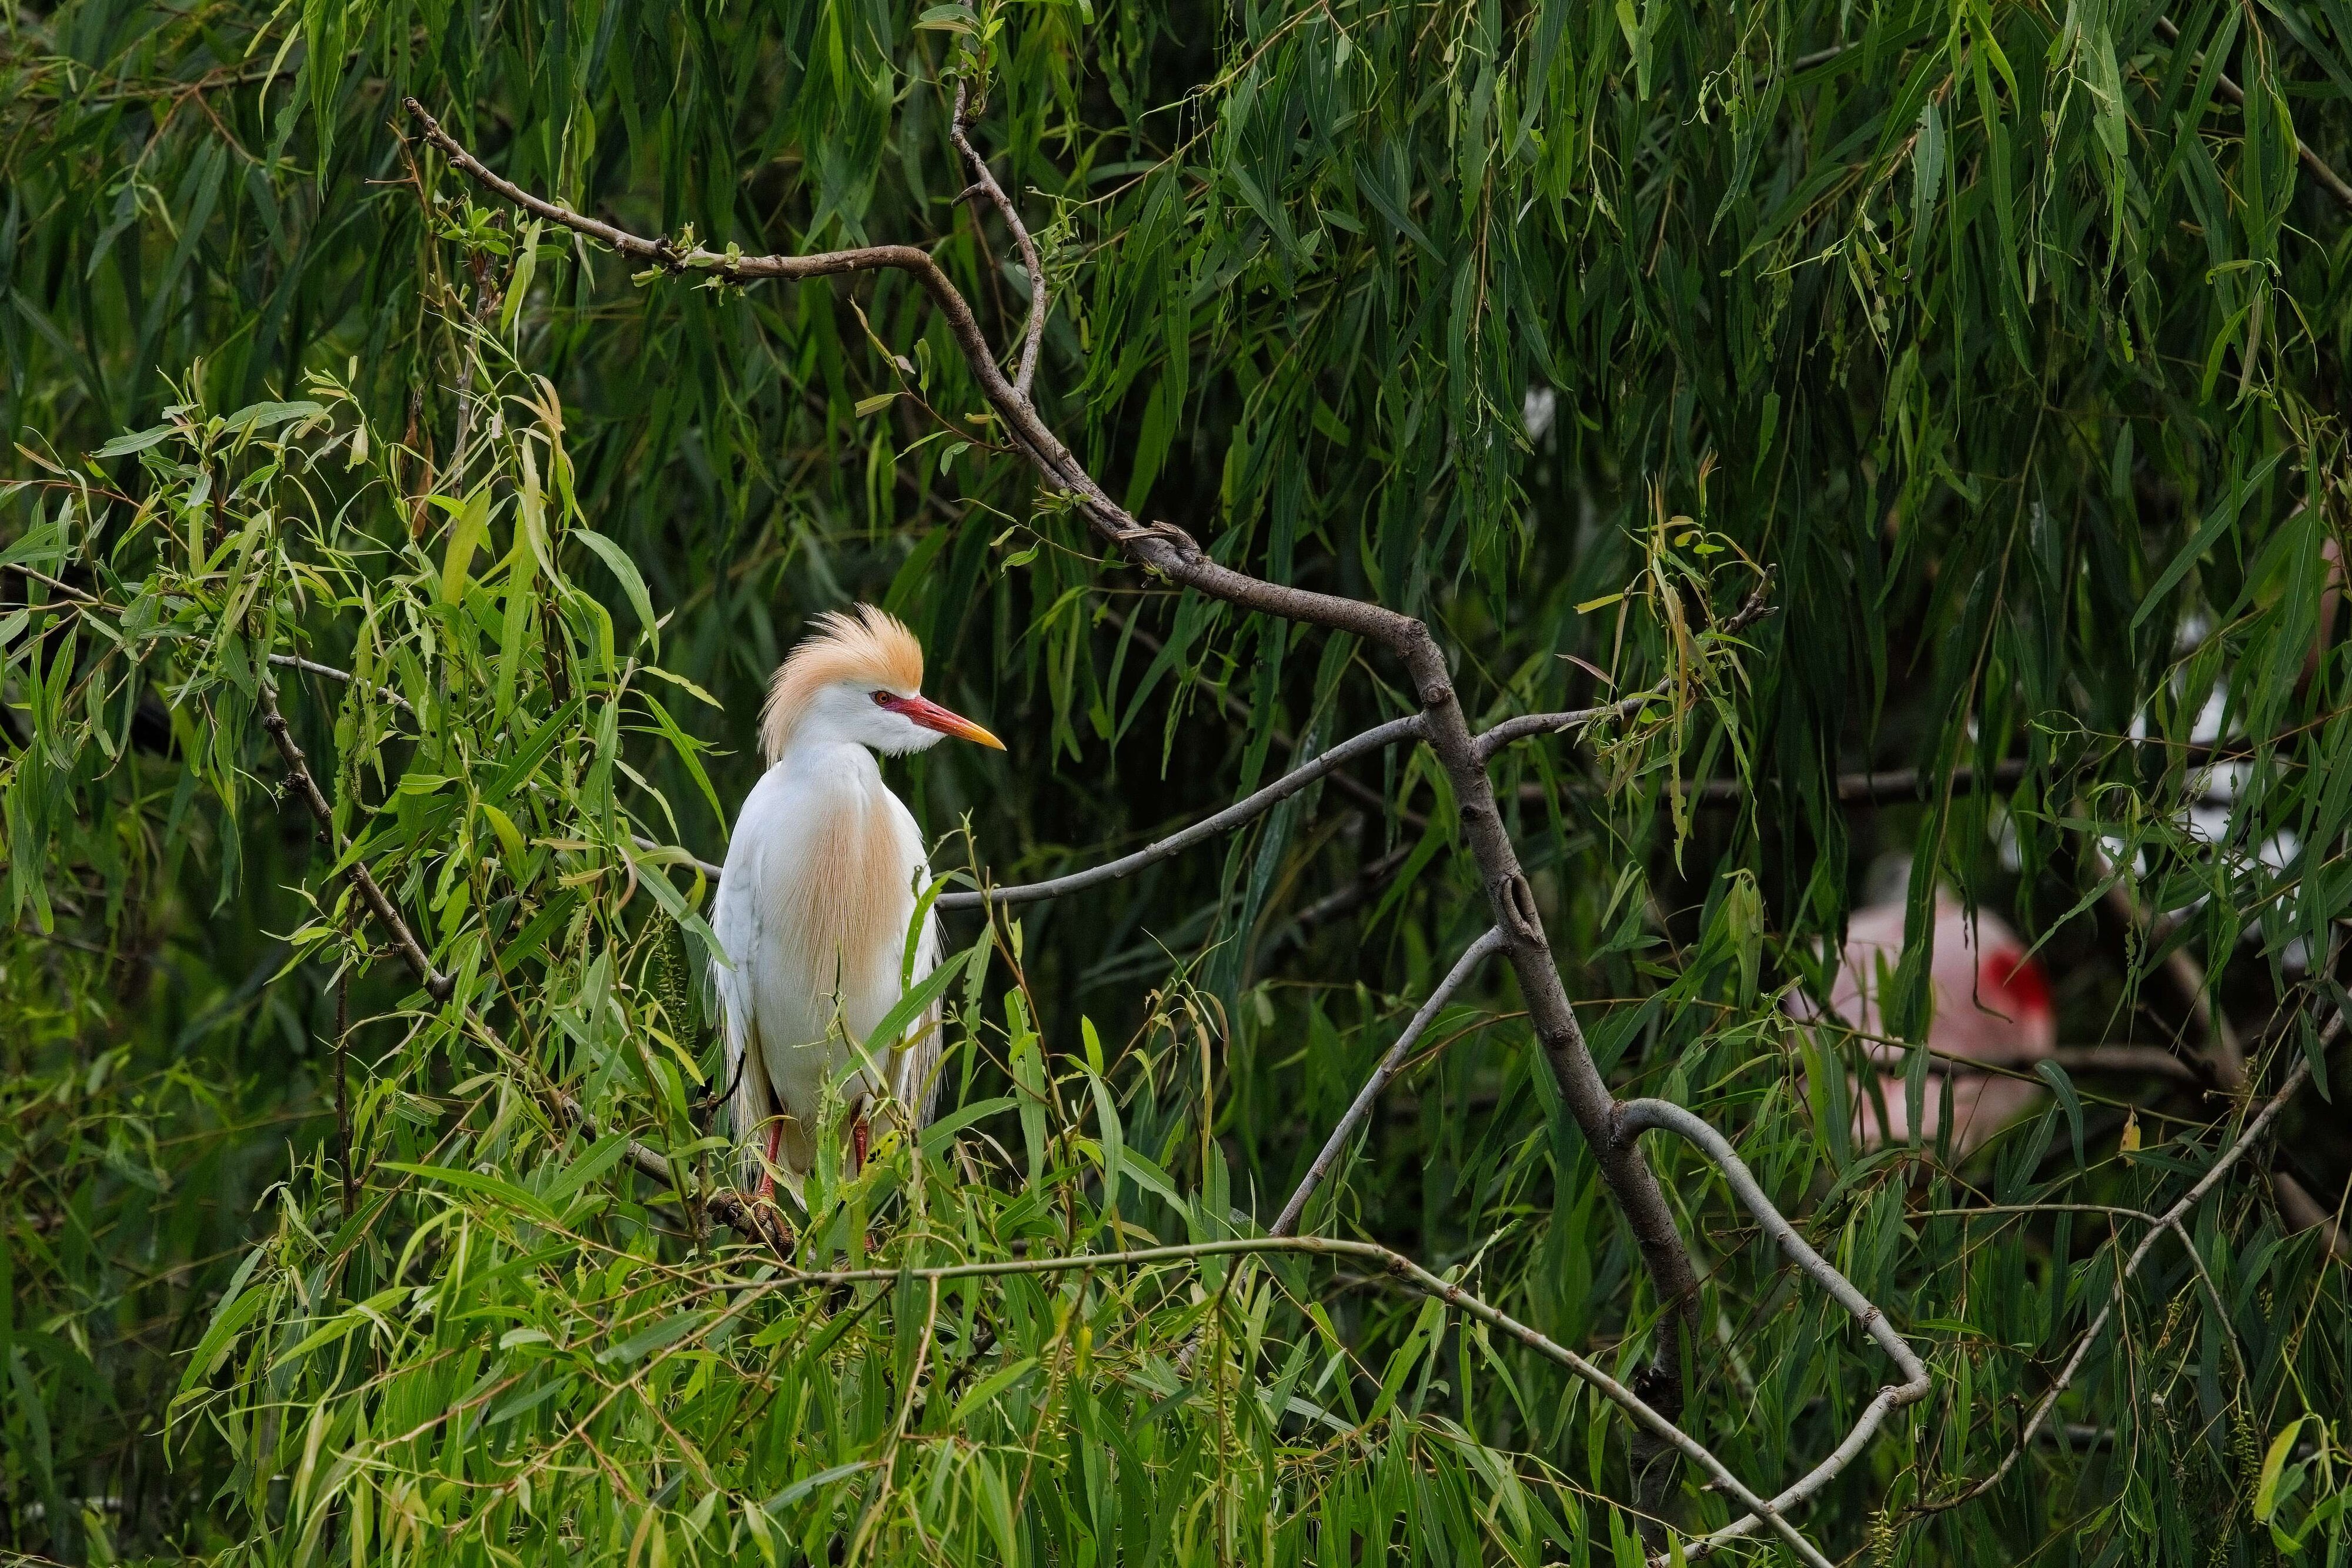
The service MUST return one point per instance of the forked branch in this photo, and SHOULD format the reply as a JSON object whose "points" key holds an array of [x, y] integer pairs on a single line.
{"points": [[984, 184], [1636, 1116]]}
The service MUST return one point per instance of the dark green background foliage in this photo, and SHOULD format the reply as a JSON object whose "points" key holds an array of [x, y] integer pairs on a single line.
{"points": [[2006, 338]]}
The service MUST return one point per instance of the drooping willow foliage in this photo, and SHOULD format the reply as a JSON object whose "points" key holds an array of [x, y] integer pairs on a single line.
{"points": [[2011, 338]]}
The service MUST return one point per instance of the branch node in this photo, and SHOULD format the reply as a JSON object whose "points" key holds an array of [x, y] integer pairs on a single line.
{"points": [[1519, 897]]}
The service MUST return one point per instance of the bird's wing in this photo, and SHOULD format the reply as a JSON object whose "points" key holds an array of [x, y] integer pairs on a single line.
{"points": [[736, 922]]}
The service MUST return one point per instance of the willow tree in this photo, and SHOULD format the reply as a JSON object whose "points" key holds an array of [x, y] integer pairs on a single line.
{"points": [[1487, 530]]}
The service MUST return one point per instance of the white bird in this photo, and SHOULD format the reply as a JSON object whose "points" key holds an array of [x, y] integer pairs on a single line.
{"points": [[819, 890]]}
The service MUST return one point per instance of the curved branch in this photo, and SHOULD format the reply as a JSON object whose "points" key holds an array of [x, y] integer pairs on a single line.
{"points": [[984, 183], [1636, 1116], [1160, 546], [1409, 727], [1476, 954], [1402, 1268]]}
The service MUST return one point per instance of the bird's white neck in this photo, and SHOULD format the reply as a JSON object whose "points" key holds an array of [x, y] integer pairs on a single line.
{"points": [[815, 756]]}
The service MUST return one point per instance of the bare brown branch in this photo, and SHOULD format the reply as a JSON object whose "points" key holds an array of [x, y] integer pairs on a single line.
{"points": [[1636, 1116], [984, 183], [1207, 828]]}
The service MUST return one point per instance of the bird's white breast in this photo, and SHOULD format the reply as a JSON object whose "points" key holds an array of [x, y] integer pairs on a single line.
{"points": [[813, 911]]}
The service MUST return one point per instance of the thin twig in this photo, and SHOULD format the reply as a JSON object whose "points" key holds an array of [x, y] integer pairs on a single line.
{"points": [[1476, 954], [2169, 1220], [437, 985], [2328, 178], [312, 666], [1493, 740], [984, 183], [1409, 727]]}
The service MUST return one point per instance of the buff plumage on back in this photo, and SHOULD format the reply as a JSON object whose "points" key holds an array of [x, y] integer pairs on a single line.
{"points": [[869, 645]]}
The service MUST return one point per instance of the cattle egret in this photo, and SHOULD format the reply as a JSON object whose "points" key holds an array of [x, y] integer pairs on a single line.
{"points": [[1991, 1005], [819, 892]]}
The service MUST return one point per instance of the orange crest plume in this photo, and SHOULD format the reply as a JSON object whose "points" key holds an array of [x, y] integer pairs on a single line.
{"points": [[868, 645]]}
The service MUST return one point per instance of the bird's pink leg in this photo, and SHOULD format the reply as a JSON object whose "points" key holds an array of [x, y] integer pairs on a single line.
{"points": [[768, 1166], [765, 1216]]}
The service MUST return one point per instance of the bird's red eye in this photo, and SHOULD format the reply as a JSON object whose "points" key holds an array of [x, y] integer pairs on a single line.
{"points": [[881, 699]]}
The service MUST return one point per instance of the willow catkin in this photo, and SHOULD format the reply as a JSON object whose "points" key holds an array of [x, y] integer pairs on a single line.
{"points": [[669, 976], [1882, 1538]]}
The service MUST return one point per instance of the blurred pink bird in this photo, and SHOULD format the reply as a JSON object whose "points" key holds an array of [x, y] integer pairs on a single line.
{"points": [[1991, 1005]]}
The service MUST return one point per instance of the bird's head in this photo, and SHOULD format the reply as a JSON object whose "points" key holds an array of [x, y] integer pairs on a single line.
{"points": [[858, 679]]}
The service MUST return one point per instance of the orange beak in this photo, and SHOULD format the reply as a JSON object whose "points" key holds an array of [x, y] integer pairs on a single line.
{"points": [[931, 715]]}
